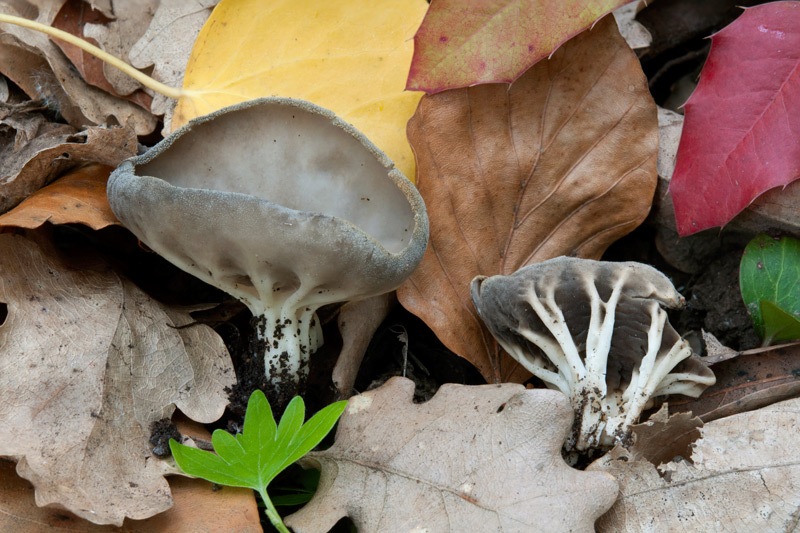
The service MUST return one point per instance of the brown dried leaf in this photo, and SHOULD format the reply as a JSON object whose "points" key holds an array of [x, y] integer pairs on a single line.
{"points": [[130, 21], [747, 382], [96, 105], [89, 362], [745, 476], [664, 437], [79, 197], [33, 75], [54, 150], [562, 162], [114, 35], [486, 457]]}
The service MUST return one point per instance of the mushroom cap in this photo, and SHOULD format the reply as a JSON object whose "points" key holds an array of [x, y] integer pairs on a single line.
{"points": [[274, 196]]}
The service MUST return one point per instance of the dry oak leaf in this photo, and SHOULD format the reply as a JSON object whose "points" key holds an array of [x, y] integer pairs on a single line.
{"points": [[635, 33], [87, 363], [663, 437], [31, 73], [79, 197], [562, 162], [348, 56], [744, 476], [55, 149], [486, 457], [199, 508]]}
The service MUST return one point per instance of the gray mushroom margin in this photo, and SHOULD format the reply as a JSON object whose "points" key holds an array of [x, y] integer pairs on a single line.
{"points": [[598, 332]]}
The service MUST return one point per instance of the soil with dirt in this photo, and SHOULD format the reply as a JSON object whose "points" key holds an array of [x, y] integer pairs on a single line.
{"points": [[715, 297]]}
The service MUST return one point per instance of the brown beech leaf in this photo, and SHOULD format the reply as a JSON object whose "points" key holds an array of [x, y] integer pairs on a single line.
{"points": [[744, 475], [746, 382], [78, 197], [88, 363], [472, 458], [53, 150], [562, 162]]}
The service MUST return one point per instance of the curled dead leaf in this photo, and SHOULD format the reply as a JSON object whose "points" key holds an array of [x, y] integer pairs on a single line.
{"points": [[749, 381], [115, 35], [53, 150], [562, 162]]}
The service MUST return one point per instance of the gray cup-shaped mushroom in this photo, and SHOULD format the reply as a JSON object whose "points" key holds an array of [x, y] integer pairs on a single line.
{"points": [[598, 332], [282, 205]]}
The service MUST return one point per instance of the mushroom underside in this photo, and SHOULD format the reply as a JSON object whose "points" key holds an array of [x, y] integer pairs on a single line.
{"points": [[598, 332]]}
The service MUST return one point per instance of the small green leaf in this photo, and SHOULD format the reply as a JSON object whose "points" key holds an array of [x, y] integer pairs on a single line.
{"points": [[259, 424], [314, 431], [209, 466], [226, 445], [779, 326], [769, 279], [263, 449]]}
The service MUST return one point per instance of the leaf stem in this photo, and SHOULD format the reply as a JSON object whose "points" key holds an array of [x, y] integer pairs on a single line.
{"points": [[272, 513], [144, 79]]}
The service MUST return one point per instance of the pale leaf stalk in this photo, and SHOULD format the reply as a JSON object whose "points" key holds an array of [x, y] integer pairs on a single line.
{"points": [[161, 88]]}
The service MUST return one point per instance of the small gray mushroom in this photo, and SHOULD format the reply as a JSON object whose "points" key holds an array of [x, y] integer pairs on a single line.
{"points": [[598, 332], [282, 205]]}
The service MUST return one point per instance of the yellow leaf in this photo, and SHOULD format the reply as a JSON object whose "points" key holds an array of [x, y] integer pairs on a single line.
{"points": [[349, 56]]}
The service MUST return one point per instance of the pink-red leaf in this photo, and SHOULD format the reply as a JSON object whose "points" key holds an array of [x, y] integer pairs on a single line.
{"points": [[741, 136], [462, 43]]}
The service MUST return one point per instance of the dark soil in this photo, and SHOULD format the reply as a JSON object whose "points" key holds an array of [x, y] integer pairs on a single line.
{"points": [[160, 433], [715, 298]]}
